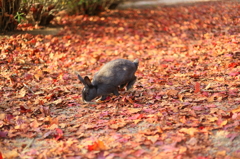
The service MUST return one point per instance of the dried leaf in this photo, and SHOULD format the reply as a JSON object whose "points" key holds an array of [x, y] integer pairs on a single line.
{"points": [[190, 131], [10, 154], [22, 93], [153, 139], [197, 87], [96, 146]]}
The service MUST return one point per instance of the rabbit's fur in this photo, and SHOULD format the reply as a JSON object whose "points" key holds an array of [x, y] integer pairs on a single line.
{"points": [[119, 72]]}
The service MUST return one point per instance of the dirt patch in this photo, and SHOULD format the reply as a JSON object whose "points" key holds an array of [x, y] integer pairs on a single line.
{"points": [[225, 143], [44, 31]]}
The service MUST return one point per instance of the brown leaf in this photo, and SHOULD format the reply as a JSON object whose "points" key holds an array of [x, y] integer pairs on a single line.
{"points": [[38, 74], [172, 92], [193, 141]]}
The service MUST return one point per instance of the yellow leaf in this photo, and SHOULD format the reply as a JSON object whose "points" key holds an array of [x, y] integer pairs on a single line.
{"points": [[223, 123], [53, 126], [211, 119], [221, 153], [134, 110], [22, 92], [153, 138], [57, 101], [2, 116], [10, 154], [208, 86], [237, 110], [180, 96], [190, 131], [38, 74], [182, 149], [137, 121]]}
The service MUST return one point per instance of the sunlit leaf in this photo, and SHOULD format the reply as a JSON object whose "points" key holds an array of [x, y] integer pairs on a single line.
{"points": [[190, 131]]}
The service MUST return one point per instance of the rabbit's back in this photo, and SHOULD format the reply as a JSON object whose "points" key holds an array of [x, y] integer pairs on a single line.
{"points": [[115, 73]]}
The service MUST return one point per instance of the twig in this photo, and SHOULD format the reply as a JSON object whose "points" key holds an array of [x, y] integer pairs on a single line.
{"points": [[214, 91], [29, 144], [28, 88], [183, 91]]}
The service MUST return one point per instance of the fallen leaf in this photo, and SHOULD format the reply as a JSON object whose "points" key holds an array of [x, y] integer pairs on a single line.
{"points": [[58, 133], [198, 108], [237, 110], [221, 153], [189, 131], [153, 139], [172, 92], [22, 92], [10, 154], [197, 87], [2, 116], [3, 134], [193, 141], [96, 146], [38, 74]]}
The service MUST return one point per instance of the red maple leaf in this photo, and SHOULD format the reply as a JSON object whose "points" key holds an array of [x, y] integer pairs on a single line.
{"points": [[58, 133]]}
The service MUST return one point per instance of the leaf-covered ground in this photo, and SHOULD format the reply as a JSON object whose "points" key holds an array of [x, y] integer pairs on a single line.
{"points": [[185, 104]]}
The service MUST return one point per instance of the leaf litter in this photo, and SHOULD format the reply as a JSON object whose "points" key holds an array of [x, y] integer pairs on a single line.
{"points": [[185, 103]]}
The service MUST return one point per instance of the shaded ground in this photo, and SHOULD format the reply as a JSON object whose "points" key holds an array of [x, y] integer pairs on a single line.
{"points": [[185, 103], [44, 31], [152, 3]]}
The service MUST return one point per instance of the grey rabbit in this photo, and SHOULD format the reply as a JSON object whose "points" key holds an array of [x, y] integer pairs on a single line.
{"points": [[119, 72]]}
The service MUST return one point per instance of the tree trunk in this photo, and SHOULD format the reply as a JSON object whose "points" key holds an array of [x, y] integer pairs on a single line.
{"points": [[8, 9]]}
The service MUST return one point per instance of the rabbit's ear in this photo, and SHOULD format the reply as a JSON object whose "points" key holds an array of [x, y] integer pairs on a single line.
{"points": [[87, 81], [82, 80]]}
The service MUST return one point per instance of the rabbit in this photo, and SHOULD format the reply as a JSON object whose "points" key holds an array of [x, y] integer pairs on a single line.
{"points": [[114, 74]]}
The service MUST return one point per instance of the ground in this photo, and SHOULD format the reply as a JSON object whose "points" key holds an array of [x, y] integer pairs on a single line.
{"points": [[185, 103]]}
